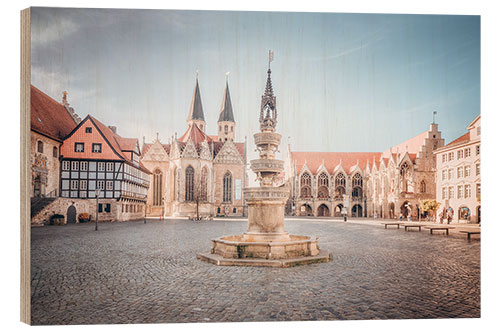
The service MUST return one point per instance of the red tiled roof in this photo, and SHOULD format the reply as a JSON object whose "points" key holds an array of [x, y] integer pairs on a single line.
{"points": [[126, 144], [464, 138], [196, 135], [49, 117], [109, 136], [332, 159]]}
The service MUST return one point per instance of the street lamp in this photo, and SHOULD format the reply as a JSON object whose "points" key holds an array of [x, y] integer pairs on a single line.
{"points": [[97, 193]]}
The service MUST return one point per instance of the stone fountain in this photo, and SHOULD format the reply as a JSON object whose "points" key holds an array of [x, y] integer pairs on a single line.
{"points": [[266, 243]]}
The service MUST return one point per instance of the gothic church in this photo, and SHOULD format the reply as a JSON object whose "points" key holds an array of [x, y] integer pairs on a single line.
{"points": [[198, 175]]}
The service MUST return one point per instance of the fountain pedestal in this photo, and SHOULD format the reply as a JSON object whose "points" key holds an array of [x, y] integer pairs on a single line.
{"points": [[266, 243]]}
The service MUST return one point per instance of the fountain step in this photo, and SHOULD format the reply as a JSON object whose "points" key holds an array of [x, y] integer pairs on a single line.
{"points": [[323, 256]]}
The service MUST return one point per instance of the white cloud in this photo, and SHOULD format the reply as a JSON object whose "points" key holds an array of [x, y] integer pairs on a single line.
{"points": [[52, 29]]}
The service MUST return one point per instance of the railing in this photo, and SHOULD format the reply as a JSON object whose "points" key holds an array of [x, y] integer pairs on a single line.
{"points": [[51, 194]]}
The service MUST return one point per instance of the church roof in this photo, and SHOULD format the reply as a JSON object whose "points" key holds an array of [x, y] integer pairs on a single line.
{"points": [[49, 117], [196, 110], [226, 111], [196, 135], [333, 159]]}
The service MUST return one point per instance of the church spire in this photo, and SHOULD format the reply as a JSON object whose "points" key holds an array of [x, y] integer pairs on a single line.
{"points": [[196, 111], [226, 123], [226, 111], [268, 114]]}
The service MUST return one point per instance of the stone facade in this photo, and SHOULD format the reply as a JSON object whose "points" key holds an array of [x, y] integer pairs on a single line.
{"points": [[44, 153], [197, 174], [458, 177], [387, 184], [118, 211]]}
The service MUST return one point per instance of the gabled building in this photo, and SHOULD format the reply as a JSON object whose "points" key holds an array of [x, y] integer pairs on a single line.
{"points": [[459, 176], [198, 174], [95, 159], [51, 121], [383, 184]]}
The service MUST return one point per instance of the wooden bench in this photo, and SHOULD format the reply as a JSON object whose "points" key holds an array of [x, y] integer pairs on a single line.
{"points": [[470, 233], [391, 223], [447, 229], [408, 226]]}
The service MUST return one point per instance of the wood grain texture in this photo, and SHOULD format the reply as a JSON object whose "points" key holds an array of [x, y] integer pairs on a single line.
{"points": [[25, 146]]}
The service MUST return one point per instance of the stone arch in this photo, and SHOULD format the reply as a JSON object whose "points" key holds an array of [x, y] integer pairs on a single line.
{"points": [[71, 214], [337, 212], [357, 211], [323, 210], [405, 209], [305, 210]]}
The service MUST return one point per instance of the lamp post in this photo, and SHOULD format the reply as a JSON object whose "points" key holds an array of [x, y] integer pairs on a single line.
{"points": [[97, 193]]}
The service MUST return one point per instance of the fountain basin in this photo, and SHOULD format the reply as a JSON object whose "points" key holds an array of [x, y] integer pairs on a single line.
{"points": [[235, 251]]}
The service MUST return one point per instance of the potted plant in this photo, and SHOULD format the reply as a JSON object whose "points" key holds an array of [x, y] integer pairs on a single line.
{"points": [[83, 217], [57, 219]]}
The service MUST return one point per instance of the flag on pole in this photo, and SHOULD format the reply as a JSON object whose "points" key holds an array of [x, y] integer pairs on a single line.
{"points": [[271, 55]]}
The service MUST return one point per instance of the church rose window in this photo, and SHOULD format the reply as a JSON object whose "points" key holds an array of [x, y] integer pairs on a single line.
{"points": [[189, 183], [227, 187]]}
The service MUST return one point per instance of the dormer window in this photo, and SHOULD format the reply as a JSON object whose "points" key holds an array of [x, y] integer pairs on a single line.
{"points": [[96, 148], [88, 129], [79, 147]]}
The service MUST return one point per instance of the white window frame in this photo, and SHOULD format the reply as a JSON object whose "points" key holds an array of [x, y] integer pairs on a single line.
{"points": [[65, 165]]}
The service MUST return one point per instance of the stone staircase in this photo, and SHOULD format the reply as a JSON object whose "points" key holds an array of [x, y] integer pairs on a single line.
{"points": [[38, 204]]}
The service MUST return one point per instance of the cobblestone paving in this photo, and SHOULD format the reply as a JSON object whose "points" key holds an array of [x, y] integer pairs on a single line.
{"points": [[131, 272]]}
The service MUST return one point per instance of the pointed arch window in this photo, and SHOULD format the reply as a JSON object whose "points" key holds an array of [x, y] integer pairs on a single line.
{"points": [[189, 183], [357, 186], [157, 187], [423, 187], [204, 184], [305, 185], [227, 190], [323, 183], [339, 185], [404, 172]]}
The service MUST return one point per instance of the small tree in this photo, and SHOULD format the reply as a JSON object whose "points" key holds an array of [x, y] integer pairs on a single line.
{"points": [[430, 206]]}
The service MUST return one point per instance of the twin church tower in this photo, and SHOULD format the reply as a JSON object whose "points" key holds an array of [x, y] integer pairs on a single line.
{"points": [[226, 124], [197, 174]]}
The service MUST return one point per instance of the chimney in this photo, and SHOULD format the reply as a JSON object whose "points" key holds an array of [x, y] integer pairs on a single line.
{"points": [[113, 129]]}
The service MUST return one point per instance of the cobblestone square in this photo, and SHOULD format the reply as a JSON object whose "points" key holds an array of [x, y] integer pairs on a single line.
{"points": [[131, 272]]}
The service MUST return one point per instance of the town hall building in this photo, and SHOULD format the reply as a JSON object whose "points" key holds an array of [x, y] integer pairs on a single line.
{"points": [[366, 184]]}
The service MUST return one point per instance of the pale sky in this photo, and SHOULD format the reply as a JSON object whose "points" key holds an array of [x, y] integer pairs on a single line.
{"points": [[344, 82]]}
